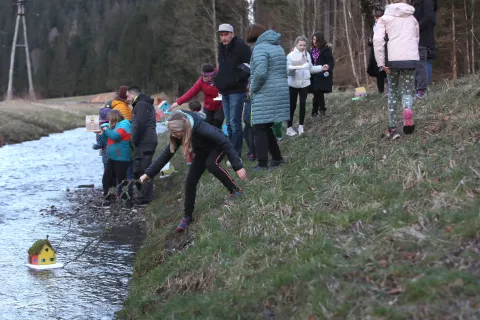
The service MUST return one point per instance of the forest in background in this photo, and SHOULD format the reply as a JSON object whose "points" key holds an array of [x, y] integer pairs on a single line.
{"points": [[82, 47]]}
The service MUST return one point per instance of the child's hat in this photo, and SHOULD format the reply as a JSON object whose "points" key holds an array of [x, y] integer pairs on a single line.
{"points": [[103, 113]]}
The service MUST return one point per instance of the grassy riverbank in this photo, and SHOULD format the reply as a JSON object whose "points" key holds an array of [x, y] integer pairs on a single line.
{"points": [[355, 226], [24, 120]]}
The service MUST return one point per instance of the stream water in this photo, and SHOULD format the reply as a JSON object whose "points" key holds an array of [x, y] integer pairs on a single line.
{"points": [[35, 175]]}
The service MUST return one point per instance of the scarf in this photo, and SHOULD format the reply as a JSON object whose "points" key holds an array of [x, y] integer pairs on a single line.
{"points": [[315, 55], [210, 76]]}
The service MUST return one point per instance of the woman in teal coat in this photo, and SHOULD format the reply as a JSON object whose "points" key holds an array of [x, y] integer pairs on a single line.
{"points": [[270, 96]]}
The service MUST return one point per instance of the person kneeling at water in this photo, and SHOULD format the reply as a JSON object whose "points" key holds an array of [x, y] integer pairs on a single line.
{"points": [[209, 145]]}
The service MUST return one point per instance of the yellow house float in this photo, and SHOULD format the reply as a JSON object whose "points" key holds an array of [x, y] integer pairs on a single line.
{"points": [[41, 255]]}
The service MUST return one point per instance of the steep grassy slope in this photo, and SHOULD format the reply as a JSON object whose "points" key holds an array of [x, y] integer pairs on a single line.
{"points": [[355, 226]]}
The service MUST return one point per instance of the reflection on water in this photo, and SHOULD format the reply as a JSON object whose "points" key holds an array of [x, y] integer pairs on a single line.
{"points": [[34, 175]]}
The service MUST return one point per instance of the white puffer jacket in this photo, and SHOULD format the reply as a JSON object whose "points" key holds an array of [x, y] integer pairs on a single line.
{"points": [[299, 68]]}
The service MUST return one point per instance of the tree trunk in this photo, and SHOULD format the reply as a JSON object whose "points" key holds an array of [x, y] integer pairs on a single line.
{"points": [[314, 22], [334, 38], [214, 29], [364, 49], [347, 32], [473, 36], [326, 21], [466, 34], [454, 40]]}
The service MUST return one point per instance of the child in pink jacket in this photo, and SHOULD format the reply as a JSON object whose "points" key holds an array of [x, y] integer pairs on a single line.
{"points": [[396, 50]]}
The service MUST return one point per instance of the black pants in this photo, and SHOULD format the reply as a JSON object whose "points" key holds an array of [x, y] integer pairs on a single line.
{"points": [[247, 129], [318, 102], [294, 93], [211, 162], [381, 82], [265, 142], [115, 171], [215, 118], [142, 159]]}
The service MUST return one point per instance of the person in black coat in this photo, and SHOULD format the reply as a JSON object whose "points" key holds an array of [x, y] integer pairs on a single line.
{"points": [[231, 81], [372, 68], [209, 145], [144, 139], [321, 82], [426, 17]]}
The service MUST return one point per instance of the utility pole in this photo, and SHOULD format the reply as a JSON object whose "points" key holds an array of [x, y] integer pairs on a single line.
{"points": [[20, 15]]}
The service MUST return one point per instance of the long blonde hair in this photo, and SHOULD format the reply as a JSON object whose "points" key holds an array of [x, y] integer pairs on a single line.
{"points": [[178, 122]]}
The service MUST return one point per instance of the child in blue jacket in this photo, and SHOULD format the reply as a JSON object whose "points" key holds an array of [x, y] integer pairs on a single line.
{"points": [[119, 153]]}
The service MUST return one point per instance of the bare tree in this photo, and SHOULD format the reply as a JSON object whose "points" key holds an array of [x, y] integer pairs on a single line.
{"points": [[472, 19], [454, 43], [364, 48], [347, 33], [466, 35]]}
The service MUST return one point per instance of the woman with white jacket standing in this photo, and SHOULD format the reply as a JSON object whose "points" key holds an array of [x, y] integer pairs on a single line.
{"points": [[299, 68]]}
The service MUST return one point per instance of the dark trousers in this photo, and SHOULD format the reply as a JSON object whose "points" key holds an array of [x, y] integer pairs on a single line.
{"points": [[265, 142], [294, 93], [211, 162], [381, 82], [215, 118], [115, 171], [142, 159], [318, 102], [247, 129]]}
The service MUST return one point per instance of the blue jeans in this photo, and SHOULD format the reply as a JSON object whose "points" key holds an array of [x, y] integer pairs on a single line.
{"points": [[233, 109], [429, 70]]}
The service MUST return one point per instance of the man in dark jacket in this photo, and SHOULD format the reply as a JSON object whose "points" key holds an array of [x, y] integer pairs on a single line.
{"points": [[144, 139], [426, 17], [231, 81]]}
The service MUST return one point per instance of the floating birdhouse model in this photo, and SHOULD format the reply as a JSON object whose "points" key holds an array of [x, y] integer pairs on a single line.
{"points": [[41, 255]]}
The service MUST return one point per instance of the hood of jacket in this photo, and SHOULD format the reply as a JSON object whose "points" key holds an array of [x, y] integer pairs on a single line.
{"points": [[143, 97], [399, 10], [270, 37]]}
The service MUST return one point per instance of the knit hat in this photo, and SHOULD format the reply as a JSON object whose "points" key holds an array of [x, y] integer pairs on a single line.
{"points": [[103, 113], [122, 92]]}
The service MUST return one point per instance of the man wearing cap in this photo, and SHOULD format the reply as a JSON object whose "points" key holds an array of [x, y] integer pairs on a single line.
{"points": [[231, 81]]}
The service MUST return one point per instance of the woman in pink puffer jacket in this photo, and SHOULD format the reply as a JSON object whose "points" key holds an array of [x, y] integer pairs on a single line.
{"points": [[396, 50]]}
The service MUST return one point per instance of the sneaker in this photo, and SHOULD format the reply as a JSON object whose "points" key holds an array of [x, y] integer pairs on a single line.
{"points": [[184, 224], [421, 93], [392, 133], [235, 195], [291, 132], [129, 204], [141, 203], [251, 157], [314, 116], [276, 163], [323, 112], [408, 125], [300, 129]]}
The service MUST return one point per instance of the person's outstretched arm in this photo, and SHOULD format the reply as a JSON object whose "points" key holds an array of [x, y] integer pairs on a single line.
{"points": [[160, 162]]}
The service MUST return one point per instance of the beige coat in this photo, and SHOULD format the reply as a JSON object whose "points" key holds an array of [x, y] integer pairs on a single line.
{"points": [[401, 27]]}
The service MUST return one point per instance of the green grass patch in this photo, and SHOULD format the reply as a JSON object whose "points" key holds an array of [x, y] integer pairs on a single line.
{"points": [[354, 226]]}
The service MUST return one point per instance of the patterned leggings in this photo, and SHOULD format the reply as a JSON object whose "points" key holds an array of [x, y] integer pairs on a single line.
{"points": [[401, 84]]}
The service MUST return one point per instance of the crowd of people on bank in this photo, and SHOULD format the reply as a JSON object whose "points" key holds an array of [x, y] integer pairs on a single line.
{"points": [[258, 84]]}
